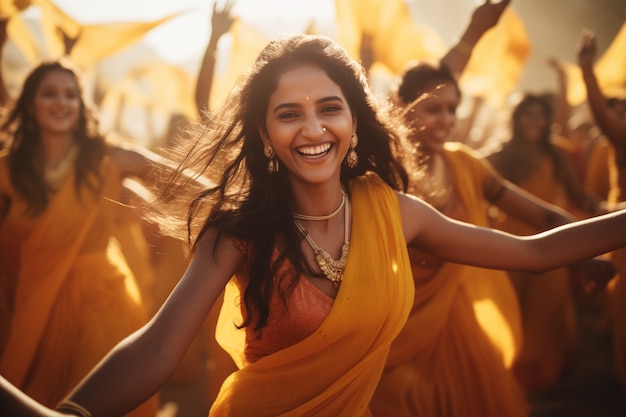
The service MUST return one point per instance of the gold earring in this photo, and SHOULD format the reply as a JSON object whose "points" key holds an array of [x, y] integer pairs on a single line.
{"points": [[272, 166], [352, 159]]}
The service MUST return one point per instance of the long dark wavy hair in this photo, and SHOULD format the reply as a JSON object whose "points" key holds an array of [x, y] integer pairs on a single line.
{"points": [[25, 154], [248, 203], [510, 160]]}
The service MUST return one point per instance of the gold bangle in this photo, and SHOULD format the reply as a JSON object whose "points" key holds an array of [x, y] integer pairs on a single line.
{"points": [[73, 408], [464, 47]]}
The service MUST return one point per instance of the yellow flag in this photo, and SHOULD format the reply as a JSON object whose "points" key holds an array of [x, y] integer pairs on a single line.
{"points": [[396, 38], [9, 7], [497, 60], [247, 43], [97, 42], [18, 31], [52, 21]]}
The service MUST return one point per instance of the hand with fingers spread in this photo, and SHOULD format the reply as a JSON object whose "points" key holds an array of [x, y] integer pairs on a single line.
{"points": [[586, 48], [221, 20], [488, 14]]}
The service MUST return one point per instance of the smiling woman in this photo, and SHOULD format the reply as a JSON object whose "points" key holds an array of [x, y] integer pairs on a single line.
{"points": [[247, 246]]}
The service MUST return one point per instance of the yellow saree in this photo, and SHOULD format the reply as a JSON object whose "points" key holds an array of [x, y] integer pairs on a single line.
{"points": [[462, 333], [334, 371], [75, 298], [617, 289], [546, 300]]}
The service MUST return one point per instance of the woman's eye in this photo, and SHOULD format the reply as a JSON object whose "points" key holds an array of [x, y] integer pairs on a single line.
{"points": [[331, 109], [287, 115]]}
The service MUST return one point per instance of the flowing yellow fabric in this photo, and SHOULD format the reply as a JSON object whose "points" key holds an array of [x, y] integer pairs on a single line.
{"points": [[600, 170], [545, 299], [450, 358], [99, 41], [17, 29], [396, 38], [52, 21], [75, 297], [334, 371], [497, 62], [493, 297]]}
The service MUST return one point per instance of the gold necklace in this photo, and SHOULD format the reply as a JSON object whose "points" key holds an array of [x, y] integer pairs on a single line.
{"points": [[326, 216], [331, 268], [54, 177]]}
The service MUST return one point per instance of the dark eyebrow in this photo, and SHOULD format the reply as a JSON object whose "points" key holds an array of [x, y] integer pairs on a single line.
{"points": [[320, 101]]}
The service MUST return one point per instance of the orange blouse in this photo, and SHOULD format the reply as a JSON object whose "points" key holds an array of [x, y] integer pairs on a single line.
{"points": [[305, 310]]}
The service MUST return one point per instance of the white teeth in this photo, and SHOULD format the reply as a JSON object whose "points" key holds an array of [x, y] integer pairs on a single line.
{"points": [[314, 151]]}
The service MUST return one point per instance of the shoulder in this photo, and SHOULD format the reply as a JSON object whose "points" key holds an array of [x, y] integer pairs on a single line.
{"points": [[370, 183], [466, 156], [461, 151]]}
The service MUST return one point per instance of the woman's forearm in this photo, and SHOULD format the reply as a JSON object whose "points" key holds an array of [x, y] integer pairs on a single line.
{"points": [[112, 390], [16, 403]]}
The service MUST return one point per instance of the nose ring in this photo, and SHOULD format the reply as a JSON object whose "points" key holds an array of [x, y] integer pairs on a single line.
{"points": [[323, 129]]}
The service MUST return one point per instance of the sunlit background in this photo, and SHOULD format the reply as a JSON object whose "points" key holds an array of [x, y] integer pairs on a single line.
{"points": [[149, 78]]}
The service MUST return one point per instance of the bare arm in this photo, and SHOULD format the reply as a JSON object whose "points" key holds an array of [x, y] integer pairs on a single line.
{"points": [[454, 241], [221, 21], [16, 403], [137, 367], [483, 18], [138, 162], [610, 124], [531, 210], [562, 108]]}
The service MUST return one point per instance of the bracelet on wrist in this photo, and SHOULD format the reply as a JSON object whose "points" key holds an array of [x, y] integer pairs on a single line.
{"points": [[73, 408]]}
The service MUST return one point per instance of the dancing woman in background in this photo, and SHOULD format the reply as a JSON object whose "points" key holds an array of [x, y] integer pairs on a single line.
{"points": [[68, 293]]}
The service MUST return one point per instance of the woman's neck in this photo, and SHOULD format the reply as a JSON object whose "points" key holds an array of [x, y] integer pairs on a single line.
{"points": [[56, 148], [317, 200]]}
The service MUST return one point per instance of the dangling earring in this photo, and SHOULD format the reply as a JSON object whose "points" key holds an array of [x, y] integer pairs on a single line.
{"points": [[272, 166], [352, 159]]}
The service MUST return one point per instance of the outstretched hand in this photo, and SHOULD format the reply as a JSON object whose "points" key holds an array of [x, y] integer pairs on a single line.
{"points": [[586, 48], [594, 274], [221, 20], [487, 14]]}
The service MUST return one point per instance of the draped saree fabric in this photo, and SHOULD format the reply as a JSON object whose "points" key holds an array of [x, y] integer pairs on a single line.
{"points": [[617, 289], [463, 332], [546, 299], [75, 297], [334, 371]]}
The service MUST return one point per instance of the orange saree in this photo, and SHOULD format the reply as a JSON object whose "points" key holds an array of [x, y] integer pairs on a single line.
{"points": [[75, 298], [463, 332], [546, 300], [334, 371]]}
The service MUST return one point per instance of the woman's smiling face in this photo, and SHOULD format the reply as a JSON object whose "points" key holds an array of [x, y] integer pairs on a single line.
{"points": [[309, 124], [57, 103], [433, 116]]}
